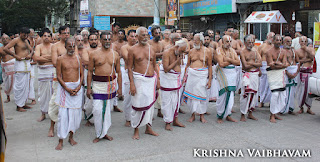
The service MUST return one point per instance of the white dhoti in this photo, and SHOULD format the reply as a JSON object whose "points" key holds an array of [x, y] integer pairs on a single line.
{"points": [[104, 93], [21, 83], [157, 104], [53, 110], [264, 89], [69, 109], [290, 89], [213, 92], [239, 73], [196, 90], [170, 84], [127, 97], [249, 91], [227, 78], [32, 95], [276, 80], [144, 99], [8, 75], [302, 87], [87, 106], [45, 79]]}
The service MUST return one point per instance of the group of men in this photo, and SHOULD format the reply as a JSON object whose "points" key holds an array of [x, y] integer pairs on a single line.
{"points": [[91, 71]]}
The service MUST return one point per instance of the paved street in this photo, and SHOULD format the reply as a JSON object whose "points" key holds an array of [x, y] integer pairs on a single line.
{"points": [[28, 141]]}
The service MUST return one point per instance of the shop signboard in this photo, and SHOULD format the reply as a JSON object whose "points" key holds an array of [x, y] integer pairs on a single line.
{"points": [[316, 35], [102, 22], [85, 20], [266, 1], [207, 7]]}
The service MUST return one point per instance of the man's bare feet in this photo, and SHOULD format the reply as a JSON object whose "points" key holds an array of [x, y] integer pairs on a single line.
{"points": [[292, 113], [272, 118], [202, 119], [232, 111], [261, 105], [228, 118], [310, 112], [108, 137], [33, 102], [136, 134], [243, 118], [219, 121], [42, 117], [177, 123], [300, 111], [128, 124], [20, 109], [96, 140], [277, 117], [160, 115], [72, 142], [60, 144], [51, 129], [8, 99], [250, 116], [88, 124], [150, 131], [207, 113], [181, 111], [192, 118], [116, 109], [168, 127]]}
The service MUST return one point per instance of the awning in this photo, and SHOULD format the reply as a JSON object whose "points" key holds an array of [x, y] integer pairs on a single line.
{"points": [[266, 17], [248, 1]]}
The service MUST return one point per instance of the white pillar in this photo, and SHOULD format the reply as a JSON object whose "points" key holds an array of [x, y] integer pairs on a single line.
{"points": [[248, 28], [156, 18], [281, 29], [260, 32]]}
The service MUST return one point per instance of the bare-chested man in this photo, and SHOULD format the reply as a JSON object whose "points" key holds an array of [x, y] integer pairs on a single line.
{"points": [[144, 82], [43, 57], [85, 35], [235, 36], [55, 38], [69, 93], [22, 67], [292, 71], [209, 43], [277, 60], [306, 55], [116, 28], [251, 62], [264, 89], [32, 41], [58, 49], [158, 48], [227, 60], [106, 63], [132, 40], [199, 72], [171, 83], [166, 40], [121, 41], [7, 64]]}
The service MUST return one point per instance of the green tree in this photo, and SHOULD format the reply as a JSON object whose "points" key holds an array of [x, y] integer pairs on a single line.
{"points": [[15, 14]]}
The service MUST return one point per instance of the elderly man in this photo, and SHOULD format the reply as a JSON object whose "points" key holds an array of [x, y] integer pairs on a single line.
{"points": [[85, 35], [143, 78], [306, 55], [166, 40], [58, 49], [32, 41], [291, 75], [23, 53], [227, 77], [132, 40], [69, 93], [7, 65], [106, 63], [43, 57], [170, 83], [251, 61], [277, 60], [264, 89], [199, 76]]}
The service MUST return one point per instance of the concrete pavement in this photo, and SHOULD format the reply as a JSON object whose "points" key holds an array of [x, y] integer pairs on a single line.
{"points": [[28, 141]]}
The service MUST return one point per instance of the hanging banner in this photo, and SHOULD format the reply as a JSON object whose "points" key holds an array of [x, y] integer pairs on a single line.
{"points": [[316, 35], [102, 22], [172, 11], [85, 20], [84, 6], [207, 7]]}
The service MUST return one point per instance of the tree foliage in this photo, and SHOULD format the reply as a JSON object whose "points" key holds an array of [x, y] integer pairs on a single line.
{"points": [[15, 14]]}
